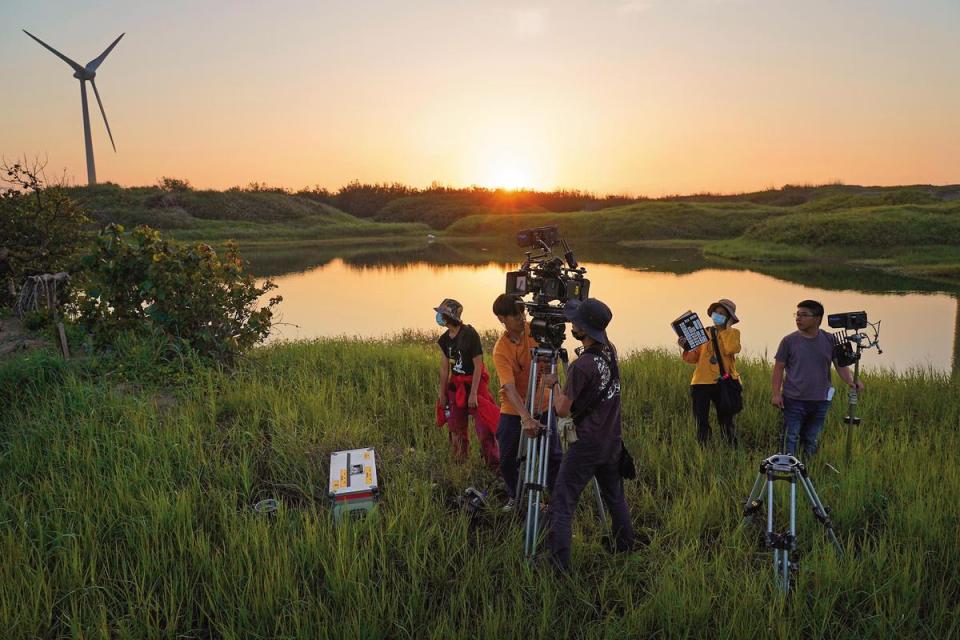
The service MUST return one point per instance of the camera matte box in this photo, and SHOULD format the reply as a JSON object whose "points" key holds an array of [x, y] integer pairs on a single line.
{"points": [[353, 488]]}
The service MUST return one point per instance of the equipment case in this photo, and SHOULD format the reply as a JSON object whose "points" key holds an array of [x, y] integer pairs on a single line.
{"points": [[354, 487]]}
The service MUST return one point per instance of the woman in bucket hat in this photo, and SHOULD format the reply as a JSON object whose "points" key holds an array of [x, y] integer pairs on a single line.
{"points": [[704, 386]]}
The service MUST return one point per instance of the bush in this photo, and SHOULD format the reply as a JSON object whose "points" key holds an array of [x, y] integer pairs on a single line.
{"points": [[188, 295], [41, 228], [174, 184]]}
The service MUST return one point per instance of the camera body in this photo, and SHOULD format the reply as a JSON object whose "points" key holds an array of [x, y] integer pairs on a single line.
{"points": [[848, 321], [552, 281], [549, 280], [548, 325]]}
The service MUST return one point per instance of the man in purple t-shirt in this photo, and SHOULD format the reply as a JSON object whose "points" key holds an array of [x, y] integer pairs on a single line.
{"points": [[805, 356]]}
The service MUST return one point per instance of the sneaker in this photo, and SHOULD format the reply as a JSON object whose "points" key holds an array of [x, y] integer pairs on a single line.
{"points": [[510, 505]]}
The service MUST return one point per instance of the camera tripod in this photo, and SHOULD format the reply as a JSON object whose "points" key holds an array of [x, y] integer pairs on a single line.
{"points": [[854, 344], [788, 468], [535, 452]]}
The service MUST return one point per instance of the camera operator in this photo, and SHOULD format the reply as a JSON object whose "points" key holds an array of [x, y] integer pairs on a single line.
{"points": [[462, 369], [805, 356], [511, 357], [592, 396]]}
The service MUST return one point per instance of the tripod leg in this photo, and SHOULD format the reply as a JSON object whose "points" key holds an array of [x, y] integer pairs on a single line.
{"points": [[537, 465], [522, 459], [601, 510], [852, 417], [793, 531], [776, 552], [820, 511], [533, 498], [755, 499]]}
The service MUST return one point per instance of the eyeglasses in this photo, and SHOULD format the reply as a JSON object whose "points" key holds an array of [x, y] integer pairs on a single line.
{"points": [[804, 315]]}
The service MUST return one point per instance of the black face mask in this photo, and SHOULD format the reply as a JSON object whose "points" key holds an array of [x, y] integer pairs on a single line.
{"points": [[578, 335]]}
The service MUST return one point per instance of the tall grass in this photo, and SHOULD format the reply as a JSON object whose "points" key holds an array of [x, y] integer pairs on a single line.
{"points": [[127, 512]]}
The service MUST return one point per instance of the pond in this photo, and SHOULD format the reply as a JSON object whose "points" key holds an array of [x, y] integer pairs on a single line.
{"points": [[379, 292]]}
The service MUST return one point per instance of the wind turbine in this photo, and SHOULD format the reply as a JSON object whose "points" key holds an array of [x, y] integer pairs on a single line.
{"points": [[83, 74]]}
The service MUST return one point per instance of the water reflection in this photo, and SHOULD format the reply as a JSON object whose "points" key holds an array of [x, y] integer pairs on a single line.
{"points": [[920, 329]]}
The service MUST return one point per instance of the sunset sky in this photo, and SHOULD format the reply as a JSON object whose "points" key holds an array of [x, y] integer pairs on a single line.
{"points": [[630, 96]]}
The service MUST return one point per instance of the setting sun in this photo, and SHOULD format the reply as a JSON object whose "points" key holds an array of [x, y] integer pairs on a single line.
{"points": [[509, 173]]}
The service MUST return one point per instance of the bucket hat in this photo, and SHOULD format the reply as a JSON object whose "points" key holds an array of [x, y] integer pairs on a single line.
{"points": [[592, 316], [450, 308], [731, 308]]}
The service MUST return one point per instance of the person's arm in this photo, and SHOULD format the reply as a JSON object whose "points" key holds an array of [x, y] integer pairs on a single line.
{"points": [[691, 356], [730, 341], [847, 376], [444, 379], [777, 384], [561, 402], [507, 375], [513, 396], [475, 381]]}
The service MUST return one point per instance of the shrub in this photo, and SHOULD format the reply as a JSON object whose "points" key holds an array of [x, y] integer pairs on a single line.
{"points": [[188, 295], [41, 228], [174, 184]]}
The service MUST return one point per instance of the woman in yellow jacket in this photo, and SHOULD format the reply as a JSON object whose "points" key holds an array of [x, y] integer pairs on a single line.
{"points": [[703, 387]]}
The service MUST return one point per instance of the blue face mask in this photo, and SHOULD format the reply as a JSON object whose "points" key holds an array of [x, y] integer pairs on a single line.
{"points": [[440, 320], [718, 318]]}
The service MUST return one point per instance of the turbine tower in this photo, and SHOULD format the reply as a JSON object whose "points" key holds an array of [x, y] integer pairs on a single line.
{"points": [[83, 74]]}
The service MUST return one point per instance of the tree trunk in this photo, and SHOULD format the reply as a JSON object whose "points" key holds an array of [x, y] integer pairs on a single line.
{"points": [[39, 292]]}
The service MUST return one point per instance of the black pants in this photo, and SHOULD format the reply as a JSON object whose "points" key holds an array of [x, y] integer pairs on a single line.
{"points": [[508, 437], [583, 462], [702, 395]]}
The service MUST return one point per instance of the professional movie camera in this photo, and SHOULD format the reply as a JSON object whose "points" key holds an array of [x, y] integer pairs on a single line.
{"points": [[850, 341], [545, 283], [549, 279], [848, 346]]}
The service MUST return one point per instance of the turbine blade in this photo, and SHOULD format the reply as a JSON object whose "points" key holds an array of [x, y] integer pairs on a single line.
{"points": [[76, 67], [93, 64], [103, 113]]}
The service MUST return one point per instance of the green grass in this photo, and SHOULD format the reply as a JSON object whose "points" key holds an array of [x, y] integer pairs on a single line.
{"points": [[642, 221], [758, 251], [127, 511], [879, 227], [215, 216]]}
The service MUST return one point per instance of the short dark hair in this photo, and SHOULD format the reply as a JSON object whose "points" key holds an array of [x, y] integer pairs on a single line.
{"points": [[507, 305], [812, 306]]}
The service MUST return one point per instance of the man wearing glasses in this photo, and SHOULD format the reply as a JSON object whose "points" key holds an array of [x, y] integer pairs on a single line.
{"points": [[804, 394]]}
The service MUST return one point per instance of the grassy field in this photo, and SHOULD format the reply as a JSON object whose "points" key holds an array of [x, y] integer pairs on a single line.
{"points": [[126, 493], [216, 216]]}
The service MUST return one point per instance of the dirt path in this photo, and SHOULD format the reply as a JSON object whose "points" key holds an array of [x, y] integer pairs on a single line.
{"points": [[14, 338]]}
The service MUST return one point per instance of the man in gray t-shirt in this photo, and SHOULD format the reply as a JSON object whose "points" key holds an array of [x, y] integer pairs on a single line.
{"points": [[804, 396]]}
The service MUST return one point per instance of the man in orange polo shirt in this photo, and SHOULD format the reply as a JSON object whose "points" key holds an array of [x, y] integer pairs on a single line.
{"points": [[511, 358]]}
